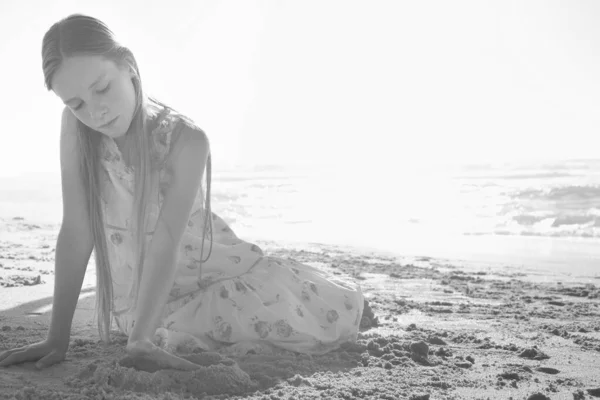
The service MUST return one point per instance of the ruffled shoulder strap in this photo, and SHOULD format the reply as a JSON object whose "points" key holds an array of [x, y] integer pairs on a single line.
{"points": [[166, 122], [169, 125]]}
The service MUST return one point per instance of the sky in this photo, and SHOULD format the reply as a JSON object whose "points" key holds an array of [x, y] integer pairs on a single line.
{"points": [[372, 82]]}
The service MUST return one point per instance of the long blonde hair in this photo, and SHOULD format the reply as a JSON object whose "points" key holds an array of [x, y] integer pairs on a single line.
{"points": [[83, 35]]}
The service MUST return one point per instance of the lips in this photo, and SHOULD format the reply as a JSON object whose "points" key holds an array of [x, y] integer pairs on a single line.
{"points": [[109, 123]]}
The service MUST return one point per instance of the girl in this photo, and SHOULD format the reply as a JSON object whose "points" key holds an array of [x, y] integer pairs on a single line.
{"points": [[168, 269]]}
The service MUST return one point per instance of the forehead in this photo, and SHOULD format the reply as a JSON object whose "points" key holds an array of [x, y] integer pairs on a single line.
{"points": [[76, 74]]}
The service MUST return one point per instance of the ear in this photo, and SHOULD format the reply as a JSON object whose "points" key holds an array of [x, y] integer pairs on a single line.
{"points": [[129, 62], [127, 68]]}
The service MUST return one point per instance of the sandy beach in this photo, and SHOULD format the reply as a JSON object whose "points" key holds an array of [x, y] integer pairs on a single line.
{"points": [[436, 329]]}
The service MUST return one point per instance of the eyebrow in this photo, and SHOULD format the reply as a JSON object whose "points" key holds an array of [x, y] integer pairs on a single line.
{"points": [[91, 86]]}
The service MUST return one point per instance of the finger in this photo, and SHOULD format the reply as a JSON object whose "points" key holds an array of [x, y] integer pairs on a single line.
{"points": [[7, 353], [4, 354], [7, 358], [51, 359], [17, 357], [22, 354]]}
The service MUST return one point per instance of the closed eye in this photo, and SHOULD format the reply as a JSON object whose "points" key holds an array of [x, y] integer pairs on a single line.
{"points": [[104, 90]]}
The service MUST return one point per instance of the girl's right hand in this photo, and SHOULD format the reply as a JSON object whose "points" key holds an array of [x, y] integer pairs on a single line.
{"points": [[45, 354]]}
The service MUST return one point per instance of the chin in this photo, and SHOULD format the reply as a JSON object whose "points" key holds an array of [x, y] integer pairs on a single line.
{"points": [[119, 131], [125, 127]]}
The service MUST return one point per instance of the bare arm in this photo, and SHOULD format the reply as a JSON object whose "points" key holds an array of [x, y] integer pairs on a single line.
{"points": [[75, 243], [188, 160], [73, 250]]}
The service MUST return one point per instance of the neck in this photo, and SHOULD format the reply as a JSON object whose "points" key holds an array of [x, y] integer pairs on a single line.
{"points": [[124, 142]]}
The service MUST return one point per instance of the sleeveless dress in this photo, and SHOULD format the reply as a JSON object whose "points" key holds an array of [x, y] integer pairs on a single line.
{"points": [[242, 295]]}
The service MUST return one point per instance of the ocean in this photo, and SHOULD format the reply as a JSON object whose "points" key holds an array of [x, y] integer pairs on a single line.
{"points": [[509, 212], [524, 199]]}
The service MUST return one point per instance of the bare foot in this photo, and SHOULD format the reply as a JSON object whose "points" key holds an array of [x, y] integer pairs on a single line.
{"points": [[146, 352]]}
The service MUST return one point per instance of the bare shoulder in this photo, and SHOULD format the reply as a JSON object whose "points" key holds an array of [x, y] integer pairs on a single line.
{"points": [[75, 214], [68, 122], [188, 138], [192, 135], [188, 131], [186, 163], [189, 152], [68, 139]]}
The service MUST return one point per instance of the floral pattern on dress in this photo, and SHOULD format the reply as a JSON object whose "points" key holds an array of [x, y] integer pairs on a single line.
{"points": [[262, 328], [332, 316], [256, 249], [235, 259], [241, 294], [116, 238], [223, 329], [348, 303], [224, 293], [283, 329], [240, 287]]}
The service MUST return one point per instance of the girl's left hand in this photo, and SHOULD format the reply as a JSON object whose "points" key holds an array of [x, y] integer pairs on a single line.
{"points": [[146, 350]]}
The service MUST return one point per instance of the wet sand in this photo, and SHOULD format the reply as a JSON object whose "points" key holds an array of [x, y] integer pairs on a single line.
{"points": [[435, 329]]}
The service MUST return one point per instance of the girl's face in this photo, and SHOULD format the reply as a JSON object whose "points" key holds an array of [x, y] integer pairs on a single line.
{"points": [[98, 92]]}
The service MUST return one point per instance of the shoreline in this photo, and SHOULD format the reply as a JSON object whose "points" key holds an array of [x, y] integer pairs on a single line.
{"points": [[550, 258]]}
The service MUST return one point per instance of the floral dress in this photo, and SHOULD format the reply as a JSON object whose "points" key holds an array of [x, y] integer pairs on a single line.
{"points": [[242, 295]]}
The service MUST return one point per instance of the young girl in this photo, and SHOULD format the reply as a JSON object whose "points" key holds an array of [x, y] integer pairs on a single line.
{"points": [[168, 269]]}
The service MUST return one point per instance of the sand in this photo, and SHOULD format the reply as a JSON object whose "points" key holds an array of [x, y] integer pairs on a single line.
{"points": [[434, 329]]}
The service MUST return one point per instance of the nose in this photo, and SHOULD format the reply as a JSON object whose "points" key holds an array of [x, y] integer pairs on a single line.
{"points": [[98, 113]]}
